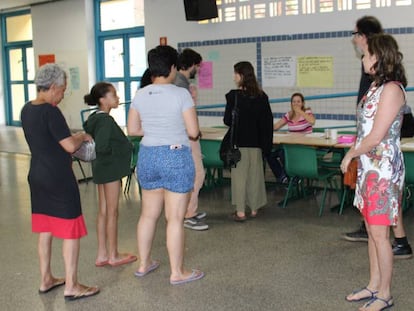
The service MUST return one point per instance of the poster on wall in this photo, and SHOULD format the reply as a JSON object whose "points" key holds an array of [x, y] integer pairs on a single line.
{"points": [[46, 59], [279, 71], [205, 75], [74, 78], [315, 71]]}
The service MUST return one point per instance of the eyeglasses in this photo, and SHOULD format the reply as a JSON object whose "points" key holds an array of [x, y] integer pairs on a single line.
{"points": [[355, 33]]}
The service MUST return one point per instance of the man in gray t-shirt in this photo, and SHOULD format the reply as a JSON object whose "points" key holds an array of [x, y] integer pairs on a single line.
{"points": [[188, 66]]}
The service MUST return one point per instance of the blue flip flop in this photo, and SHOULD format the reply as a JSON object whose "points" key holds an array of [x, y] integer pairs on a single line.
{"points": [[155, 264], [196, 275], [388, 303]]}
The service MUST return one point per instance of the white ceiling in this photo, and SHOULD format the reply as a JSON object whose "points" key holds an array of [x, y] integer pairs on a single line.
{"points": [[10, 4]]}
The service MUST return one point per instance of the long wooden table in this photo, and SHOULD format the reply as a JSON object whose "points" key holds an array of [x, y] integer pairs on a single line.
{"points": [[407, 145], [313, 139], [213, 133]]}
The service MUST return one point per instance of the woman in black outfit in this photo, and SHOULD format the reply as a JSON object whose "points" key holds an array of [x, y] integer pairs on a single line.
{"points": [[54, 192], [254, 135]]}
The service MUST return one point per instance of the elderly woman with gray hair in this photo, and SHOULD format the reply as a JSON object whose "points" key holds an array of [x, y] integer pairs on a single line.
{"points": [[55, 199]]}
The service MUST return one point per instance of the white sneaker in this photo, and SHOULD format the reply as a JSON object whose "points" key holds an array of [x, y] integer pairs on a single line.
{"points": [[200, 215]]}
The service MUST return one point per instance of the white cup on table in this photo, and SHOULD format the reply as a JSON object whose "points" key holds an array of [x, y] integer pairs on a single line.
{"points": [[327, 134], [333, 134]]}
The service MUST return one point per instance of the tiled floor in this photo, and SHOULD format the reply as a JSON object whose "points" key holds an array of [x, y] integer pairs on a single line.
{"points": [[286, 259]]}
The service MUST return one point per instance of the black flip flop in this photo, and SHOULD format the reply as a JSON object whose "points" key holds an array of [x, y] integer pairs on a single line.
{"points": [[54, 286]]}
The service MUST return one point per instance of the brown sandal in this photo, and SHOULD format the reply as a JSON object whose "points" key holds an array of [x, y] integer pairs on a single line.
{"points": [[237, 218]]}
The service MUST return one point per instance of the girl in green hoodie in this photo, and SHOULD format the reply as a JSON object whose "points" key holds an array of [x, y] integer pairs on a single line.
{"points": [[112, 163]]}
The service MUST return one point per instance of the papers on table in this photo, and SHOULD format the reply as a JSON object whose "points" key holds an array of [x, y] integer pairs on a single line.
{"points": [[317, 135]]}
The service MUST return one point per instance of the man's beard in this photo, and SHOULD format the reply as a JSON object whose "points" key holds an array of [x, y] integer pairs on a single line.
{"points": [[193, 73]]}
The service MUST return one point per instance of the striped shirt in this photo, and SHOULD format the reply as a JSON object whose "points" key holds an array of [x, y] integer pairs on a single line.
{"points": [[300, 125]]}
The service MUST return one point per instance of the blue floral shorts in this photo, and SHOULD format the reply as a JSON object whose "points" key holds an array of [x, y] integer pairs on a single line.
{"points": [[167, 167]]}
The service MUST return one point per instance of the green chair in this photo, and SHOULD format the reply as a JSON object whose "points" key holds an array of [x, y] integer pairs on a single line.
{"points": [[409, 181], [301, 162], [212, 162], [330, 157], [135, 141], [318, 130]]}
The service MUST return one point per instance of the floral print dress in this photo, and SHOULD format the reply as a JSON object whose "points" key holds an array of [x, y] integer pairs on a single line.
{"points": [[381, 171]]}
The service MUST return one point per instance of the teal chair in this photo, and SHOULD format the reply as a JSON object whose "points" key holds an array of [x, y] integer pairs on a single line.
{"points": [[212, 162], [301, 163], [135, 141], [409, 181], [330, 157]]}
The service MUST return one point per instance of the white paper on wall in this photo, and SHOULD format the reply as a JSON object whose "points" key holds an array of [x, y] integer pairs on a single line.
{"points": [[279, 71]]}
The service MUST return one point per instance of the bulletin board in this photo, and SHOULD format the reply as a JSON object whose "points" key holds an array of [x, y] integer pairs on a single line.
{"points": [[318, 66]]}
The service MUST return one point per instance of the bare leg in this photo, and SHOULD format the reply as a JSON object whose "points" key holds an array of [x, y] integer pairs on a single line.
{"points": [[45, 254], [381, 264], [112, 190], [175, 208], [152, 205], [71, 258], [374, 270], [101, 218], [198, 181]]}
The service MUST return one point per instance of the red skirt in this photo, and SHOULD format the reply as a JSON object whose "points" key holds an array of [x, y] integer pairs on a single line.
{"points": [[62, 228]]}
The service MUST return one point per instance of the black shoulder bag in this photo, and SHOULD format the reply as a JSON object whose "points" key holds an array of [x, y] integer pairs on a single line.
{"points": [[229, 151]]}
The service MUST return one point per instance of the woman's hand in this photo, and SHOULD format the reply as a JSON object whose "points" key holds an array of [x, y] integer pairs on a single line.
{"points": [[345, 163], [87, 137]]}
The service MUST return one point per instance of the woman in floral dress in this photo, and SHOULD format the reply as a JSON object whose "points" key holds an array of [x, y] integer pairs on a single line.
{"points": [[381, 172]]}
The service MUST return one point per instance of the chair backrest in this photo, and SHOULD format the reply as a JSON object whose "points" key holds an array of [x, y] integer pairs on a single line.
{"points": [[409, 167], [301, 161], [210, 151], [135, 141]]}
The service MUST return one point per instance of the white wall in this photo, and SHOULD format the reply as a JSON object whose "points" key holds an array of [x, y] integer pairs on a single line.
{"points": [[346, 66], [66, 35], [167, 18], [65, 29]]}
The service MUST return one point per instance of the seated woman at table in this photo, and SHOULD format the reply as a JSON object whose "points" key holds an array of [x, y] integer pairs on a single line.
{"points": [[299, 119]]}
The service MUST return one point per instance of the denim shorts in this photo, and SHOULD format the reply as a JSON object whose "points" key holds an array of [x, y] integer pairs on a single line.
{"points": [[167, 167]]}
